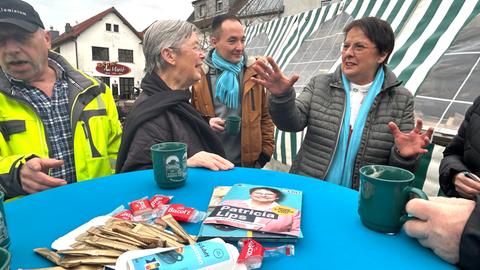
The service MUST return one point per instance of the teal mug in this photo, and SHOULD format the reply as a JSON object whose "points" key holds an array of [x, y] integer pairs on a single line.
{"points": [[169, 164], [384, 192], [233, 124], [5, 258]]}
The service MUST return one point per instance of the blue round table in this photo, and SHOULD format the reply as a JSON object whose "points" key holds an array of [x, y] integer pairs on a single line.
{"points": [[334, 237]]}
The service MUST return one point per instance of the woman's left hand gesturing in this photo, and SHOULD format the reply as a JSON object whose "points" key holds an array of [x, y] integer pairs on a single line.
{"points": [[411, 144]]}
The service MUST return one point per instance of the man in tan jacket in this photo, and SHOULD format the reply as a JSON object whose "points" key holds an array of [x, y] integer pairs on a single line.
{"points": [[227, 90]]}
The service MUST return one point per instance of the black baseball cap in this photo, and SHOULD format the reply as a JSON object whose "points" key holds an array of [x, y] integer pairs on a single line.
{"points": [[21, 14]]}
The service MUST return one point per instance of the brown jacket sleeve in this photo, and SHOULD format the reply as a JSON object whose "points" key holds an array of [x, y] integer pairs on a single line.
{"points": [[268, 142]]}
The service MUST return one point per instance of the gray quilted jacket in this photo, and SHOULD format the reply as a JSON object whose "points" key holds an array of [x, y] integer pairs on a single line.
{"points": [[320, 108]]}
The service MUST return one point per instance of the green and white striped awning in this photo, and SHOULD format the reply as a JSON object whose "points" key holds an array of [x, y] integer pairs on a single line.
{"points": [[424, 30]]}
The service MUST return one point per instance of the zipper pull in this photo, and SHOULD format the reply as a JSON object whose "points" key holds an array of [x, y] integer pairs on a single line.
{"points": [[85, 130]]}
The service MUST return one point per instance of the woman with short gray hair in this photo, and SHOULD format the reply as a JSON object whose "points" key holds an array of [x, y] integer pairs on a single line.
{"points": [[164, 34], [173, 59]]}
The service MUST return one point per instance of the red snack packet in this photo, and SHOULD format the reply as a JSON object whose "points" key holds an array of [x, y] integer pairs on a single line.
{"points": [[251, 254], [125, 214], [140, 206], [182, 213], [158, 200]]}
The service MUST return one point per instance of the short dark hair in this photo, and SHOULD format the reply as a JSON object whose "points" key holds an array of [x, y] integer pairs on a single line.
{"points": [[276, 191], [218, 21], [378, 31]]}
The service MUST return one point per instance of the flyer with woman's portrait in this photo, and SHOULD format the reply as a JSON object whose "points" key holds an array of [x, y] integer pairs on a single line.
{"points": [[260, 208]]}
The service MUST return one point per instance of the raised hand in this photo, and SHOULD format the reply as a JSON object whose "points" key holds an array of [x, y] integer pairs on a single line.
{"points": [[411, 144], [272, 78], [210, 161], [34, 175]]}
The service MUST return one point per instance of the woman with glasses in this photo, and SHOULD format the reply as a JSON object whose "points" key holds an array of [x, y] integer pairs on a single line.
{"points": [[358, 115], [162, 112]]}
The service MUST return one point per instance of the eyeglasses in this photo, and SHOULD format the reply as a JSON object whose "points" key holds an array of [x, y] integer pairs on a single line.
{"points": [[196, 49], [264, 194], [357, 48]]}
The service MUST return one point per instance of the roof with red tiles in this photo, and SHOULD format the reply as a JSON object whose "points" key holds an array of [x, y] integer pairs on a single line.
{"points": [[76, 30]]}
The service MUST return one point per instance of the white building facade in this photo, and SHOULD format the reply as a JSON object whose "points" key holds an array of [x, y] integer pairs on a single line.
{"points": [[107, 47]]}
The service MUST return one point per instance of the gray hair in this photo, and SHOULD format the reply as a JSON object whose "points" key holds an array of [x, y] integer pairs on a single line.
{"points": [[164, 34]]}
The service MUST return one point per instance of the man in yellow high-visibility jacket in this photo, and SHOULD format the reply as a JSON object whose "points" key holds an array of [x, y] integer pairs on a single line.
{"points": [[57, 125]]}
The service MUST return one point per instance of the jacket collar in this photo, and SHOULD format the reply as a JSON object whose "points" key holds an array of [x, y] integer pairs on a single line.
{"points": [[389, 82], [5, 85], [77, 76]]}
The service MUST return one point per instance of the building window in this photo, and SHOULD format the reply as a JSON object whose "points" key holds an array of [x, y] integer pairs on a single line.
{"points": [[126, 88], [108, 27], [219, 5], [125, 55], [202, 10], [115, 28], [100, 54]]}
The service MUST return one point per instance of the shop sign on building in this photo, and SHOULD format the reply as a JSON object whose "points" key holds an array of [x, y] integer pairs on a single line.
{"points": [[112, 68]]}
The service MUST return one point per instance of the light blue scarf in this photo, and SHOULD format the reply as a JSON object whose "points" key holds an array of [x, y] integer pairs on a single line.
{"points": [[341, 169], [227, 83]]}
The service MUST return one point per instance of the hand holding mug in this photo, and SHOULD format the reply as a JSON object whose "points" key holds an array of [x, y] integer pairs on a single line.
{"points": [[217, 124], [439, 225]]}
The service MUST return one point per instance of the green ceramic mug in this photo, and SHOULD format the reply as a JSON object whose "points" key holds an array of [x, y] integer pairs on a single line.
{"points": [[384, 192], [233, 124], [4, 259], [4, 238], [169, 164]]}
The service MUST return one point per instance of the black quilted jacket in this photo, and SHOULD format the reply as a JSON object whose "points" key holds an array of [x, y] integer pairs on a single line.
{"points": [[463, 152]]}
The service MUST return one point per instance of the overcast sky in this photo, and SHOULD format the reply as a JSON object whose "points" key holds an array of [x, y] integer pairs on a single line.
{"points": [[140, 13]]}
